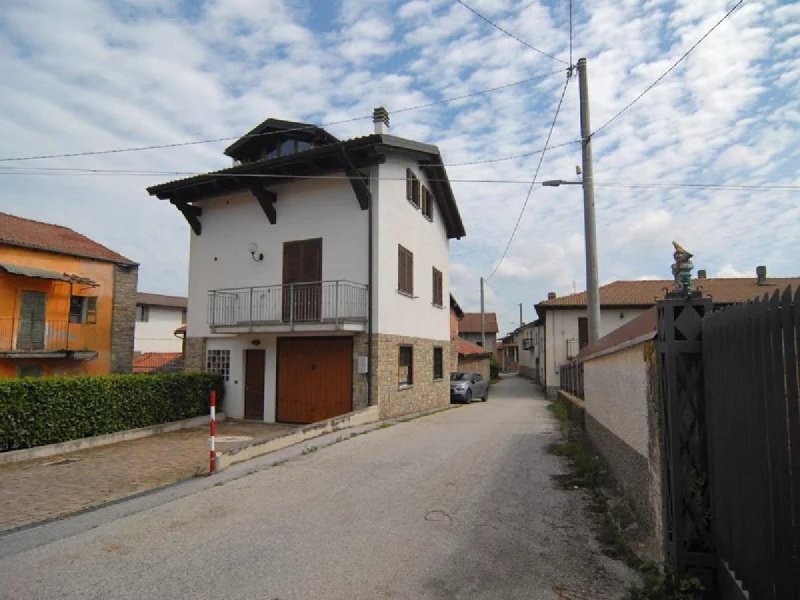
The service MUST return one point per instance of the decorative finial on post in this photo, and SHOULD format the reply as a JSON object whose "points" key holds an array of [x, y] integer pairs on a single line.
{"points": [[682, 269]]}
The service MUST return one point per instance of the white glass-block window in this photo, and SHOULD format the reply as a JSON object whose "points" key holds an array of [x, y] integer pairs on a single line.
{"points": [[219, 362]]}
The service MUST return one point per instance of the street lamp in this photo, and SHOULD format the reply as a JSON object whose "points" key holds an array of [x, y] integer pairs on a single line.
{"points": [[592, 285], [558, 182]]}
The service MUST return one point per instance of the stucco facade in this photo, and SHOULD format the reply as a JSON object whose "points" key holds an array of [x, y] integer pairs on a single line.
{"points": [[157, 334], [561, 333], [104, 333], [238, 259]]}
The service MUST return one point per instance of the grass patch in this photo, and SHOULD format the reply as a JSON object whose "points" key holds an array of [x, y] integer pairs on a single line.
{"points": [[309, 450], [586, 471], [385, 425]]}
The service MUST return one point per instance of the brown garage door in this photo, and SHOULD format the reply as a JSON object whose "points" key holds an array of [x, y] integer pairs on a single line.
{"points": [[315, 378]]}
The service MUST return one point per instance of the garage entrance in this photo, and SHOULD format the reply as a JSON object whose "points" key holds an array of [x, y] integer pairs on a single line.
{"points": [[315, 378]]}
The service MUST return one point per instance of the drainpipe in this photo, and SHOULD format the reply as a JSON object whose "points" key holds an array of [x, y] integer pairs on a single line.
{"points": [[369, 302]]}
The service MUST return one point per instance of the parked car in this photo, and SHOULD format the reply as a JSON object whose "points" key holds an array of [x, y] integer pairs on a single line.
{"points": [[466, 386]]}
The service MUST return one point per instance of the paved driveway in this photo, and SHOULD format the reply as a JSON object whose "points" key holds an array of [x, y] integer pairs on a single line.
{"points": [[460, 504], [46, 488]]}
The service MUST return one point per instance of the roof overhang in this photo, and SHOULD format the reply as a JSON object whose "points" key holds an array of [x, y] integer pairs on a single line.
{"points": [[24, 271], [337, 157]]}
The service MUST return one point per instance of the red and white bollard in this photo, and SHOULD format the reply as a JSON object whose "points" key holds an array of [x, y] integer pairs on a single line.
{"points": [[212, 464]]}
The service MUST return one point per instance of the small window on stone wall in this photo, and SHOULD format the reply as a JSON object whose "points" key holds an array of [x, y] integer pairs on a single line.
{"points": [[219, 362], [438, 368], [405, 366]]}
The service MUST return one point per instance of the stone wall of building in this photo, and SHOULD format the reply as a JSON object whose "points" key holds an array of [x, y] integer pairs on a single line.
{"points": [[360, 348], [195, 354], [475, 365], [123, 317], [424, 393]]}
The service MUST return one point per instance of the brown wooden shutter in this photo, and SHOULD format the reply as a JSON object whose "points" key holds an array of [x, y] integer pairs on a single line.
{"points": [[405, 270]]}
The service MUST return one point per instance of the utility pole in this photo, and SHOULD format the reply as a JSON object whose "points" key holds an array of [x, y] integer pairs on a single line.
{"points": [[483, 320], [520, 314], [590, 229]]}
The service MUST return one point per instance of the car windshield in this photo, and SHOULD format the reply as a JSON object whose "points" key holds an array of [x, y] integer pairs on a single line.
{"points": [[459, 376]]}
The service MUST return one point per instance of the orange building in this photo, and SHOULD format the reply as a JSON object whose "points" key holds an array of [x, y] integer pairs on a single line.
{"points": [[67, 303]]}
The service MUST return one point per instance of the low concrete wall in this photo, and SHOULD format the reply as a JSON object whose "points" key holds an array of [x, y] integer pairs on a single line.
{"points": [[102, 440], [622, 423], [576, 408], [353, 419]]}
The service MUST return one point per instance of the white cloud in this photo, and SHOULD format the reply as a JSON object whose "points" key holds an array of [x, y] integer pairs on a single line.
{"points": [[140, 72]]}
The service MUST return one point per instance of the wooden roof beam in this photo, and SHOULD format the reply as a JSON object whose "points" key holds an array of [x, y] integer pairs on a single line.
{"points": [[266, 200], [359, 182], [191, 213]]}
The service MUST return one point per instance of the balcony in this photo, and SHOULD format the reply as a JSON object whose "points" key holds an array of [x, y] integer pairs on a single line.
{"points": [[33, 338], [313, 306]]}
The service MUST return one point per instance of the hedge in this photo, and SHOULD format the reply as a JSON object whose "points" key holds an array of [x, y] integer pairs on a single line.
{"points": [[47, 410]]}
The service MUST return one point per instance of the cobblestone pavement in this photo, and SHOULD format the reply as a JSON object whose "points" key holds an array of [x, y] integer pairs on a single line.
{"points": [[55, 486]]}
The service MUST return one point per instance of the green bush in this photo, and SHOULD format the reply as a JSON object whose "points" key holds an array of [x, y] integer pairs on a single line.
{"points": [[494, 368], [47, 410]]}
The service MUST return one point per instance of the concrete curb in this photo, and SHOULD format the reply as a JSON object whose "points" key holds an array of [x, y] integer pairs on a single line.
{"points": [[362, 417], [103, 440]]}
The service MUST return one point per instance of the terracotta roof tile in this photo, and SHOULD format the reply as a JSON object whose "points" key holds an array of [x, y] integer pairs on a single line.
{"points": [[161, 300], [471, 323], [16, 231], [723, 290], [150, 361], [646, 324], [466, 348]]}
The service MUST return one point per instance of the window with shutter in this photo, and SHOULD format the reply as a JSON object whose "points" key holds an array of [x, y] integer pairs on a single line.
{"points": [[437, 287], [405, 271], [427, 203]]}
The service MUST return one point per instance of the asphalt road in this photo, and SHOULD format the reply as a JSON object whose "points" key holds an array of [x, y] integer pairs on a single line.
{"points": [[459, 504]]}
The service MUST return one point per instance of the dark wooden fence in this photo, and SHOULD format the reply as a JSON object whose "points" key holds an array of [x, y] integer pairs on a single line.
{"points": [[571, 375], [750, 361]]}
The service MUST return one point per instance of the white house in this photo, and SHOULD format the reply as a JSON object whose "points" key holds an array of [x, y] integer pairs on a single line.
{"points": [[318, 271], [157, 318], [566, 329]]}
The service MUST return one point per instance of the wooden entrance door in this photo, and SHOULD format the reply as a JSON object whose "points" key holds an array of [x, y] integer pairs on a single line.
{"points": [[302, 276], [32, 310], [315, 378], [254, 364]]}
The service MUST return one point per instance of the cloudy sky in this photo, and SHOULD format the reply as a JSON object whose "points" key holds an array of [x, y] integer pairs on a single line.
{"points": [[89, 75]]}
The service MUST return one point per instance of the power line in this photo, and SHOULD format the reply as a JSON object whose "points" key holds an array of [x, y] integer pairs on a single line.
{"points": [[254, 135], [509, 34], [533, 181], [570, 32], [667, 72], [66, 171]]}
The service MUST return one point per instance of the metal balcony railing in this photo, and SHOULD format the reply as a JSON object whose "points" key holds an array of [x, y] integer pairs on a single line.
{"points": [[30, 335], [330, 302]]}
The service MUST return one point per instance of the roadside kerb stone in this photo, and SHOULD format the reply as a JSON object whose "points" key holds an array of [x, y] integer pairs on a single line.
{"points": [[103, 440]]}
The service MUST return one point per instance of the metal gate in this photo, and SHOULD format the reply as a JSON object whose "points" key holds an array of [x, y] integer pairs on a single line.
{"points": [[731, 436]]}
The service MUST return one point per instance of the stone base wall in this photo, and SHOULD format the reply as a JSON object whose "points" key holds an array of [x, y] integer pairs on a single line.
{"points": [[360, 348], [424, 393], [194, 354], [475, 365], [529, 372], [123, 317]]}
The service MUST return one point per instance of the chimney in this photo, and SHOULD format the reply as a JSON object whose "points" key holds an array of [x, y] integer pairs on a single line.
{"points": [[381, 119], [761, 275], [701, 274], [551, 295]]}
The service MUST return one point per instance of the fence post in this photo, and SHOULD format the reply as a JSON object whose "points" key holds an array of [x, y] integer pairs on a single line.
{"points": [[212, 425], [686, 494]]}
